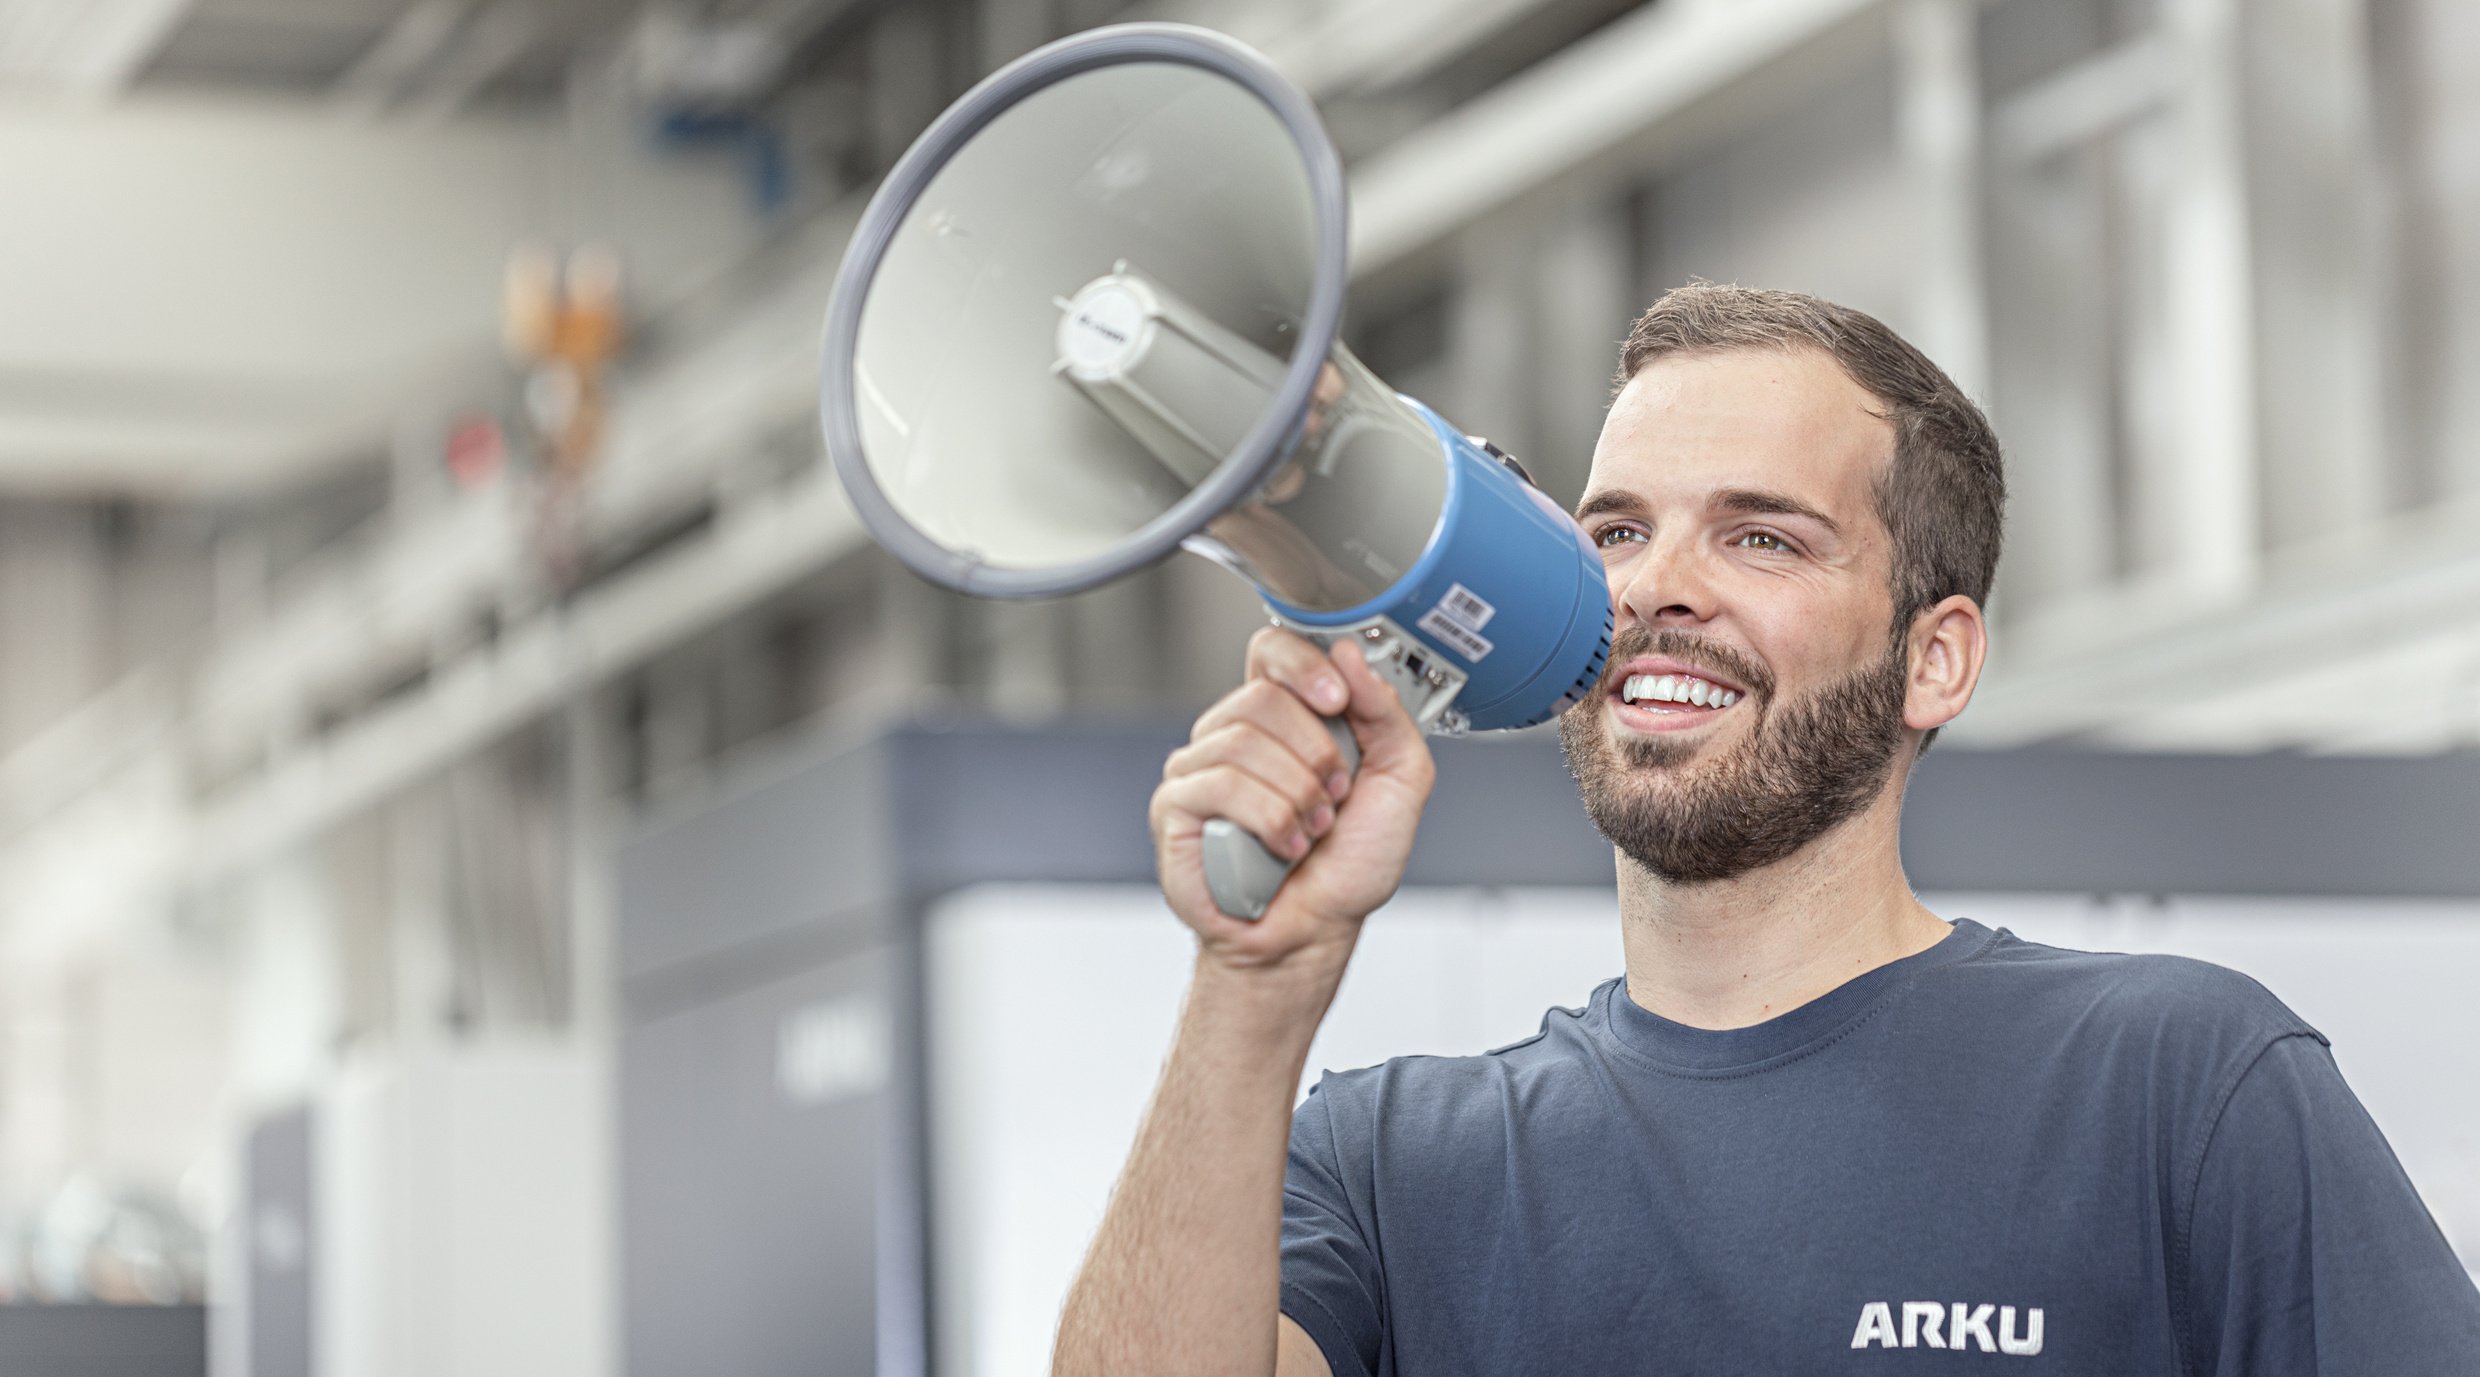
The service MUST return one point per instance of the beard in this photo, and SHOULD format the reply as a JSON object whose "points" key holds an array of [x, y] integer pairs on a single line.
{"points": [[1806, 765]]}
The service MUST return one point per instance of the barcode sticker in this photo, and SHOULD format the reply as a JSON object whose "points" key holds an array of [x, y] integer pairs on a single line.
{"points": [[1464, 607], [1465, 643]]}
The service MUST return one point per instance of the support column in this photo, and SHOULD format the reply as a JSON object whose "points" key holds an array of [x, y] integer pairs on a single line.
{"points": [[1938, 140], [1020, 651], [2322, 266], [2204, 522], [589, 786], [1585, 299], [1009, 29], [1490, 337]]}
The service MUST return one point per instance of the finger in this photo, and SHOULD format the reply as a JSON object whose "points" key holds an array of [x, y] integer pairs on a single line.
{"points": [[1298, 664], [1226, 791], [1281, 714], [1251, 748]]}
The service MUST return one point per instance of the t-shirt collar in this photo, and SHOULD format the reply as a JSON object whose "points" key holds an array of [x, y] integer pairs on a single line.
{"points": [[1739, 1050]]}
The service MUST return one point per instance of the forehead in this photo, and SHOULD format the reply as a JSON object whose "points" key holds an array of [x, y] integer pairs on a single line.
{"points": [[1789, 421]]}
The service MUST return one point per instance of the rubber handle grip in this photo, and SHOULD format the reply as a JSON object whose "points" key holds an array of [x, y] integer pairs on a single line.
{"points": [[1241, 873]]}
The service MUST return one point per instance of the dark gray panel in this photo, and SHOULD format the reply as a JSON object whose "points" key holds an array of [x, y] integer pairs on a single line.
{"points": [[2169, 824], [1506, 812], [809, 842], [279, 1201], [104, 1340], [979, 802], [749, 1224], [984, 803]]}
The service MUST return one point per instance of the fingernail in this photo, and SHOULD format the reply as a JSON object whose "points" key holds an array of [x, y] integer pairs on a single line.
{"points": [[1338, 784], [1296, 846], [1320, 820], [1329, 693]]}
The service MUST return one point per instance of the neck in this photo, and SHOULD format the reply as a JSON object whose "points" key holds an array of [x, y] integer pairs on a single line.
{"points": [[1736, 952]]}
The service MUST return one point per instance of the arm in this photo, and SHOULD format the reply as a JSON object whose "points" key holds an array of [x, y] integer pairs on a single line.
{"points": [[1183, 1274]]}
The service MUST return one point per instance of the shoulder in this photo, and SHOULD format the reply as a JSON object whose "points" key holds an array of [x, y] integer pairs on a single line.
{"points": [[2126, 988], [2176, 1032]]}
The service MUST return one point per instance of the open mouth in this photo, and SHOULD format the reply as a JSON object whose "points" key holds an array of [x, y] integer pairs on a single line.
{"points": [[1675, 693]]}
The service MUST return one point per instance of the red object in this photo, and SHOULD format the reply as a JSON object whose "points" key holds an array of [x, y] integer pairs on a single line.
{"points": [[477, 451]]}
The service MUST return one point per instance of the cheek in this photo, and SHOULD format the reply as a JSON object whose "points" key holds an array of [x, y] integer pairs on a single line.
{"points": [[1812, 635]]}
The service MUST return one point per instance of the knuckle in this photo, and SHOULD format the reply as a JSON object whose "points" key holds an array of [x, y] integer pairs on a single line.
{"points": [[1269, 704], [1236, 737], [1211, 718], [1230, 744]]}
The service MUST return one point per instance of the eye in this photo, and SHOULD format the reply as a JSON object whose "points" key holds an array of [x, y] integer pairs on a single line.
{"points": [[1764, 540], [1614, 533]]}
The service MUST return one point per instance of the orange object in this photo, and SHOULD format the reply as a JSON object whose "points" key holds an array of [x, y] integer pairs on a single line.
{"points": [[567, 327]]}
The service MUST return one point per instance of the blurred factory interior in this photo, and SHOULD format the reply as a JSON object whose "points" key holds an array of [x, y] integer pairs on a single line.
{"points": [[415, 541]]}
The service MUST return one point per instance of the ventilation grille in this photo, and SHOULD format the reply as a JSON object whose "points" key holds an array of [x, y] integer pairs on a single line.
{"points": [[1592, 674], [1587, 679]]}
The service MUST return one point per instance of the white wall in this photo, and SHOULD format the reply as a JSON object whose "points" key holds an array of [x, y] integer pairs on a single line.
{"points": [[462, 1224], [1052, 1008], [1053, 1005]]}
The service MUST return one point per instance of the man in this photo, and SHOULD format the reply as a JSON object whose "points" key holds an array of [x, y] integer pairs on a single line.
{"points": [[1814, 1127]]}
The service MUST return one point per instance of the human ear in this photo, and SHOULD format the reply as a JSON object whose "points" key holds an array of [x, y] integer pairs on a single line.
{"points": [[1947, 645]]}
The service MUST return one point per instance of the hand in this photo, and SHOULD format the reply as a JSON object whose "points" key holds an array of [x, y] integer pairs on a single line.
{"points": [[1262, 758]]}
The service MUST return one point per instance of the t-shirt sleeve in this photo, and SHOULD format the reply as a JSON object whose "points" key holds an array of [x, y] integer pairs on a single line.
{"points": [[1330, 1273], [2310, 1252]]}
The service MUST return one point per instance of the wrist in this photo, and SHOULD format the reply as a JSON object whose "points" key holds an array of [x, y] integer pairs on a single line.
{"points": [[1274, 1007], [1307, 973]]}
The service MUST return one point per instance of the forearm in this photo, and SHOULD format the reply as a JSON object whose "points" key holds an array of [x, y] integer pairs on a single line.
{"points": [[1184, 1271]]}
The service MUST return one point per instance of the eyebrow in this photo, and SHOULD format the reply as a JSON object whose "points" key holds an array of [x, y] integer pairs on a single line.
{"points": [[1608, 500], [1758, 502], [1748, 501]]}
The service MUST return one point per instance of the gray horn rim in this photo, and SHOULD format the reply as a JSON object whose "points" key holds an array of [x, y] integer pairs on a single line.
{"points": [[1267, 441]]}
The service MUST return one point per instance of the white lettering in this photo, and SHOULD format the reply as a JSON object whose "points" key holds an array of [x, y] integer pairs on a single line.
{"points": [[1973, 1321], [1876, 1323], [1914, 1312], [2007, 1342], [1955, 1326]]}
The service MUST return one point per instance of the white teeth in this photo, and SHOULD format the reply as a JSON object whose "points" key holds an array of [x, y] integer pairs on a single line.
{"points": [[1676, 688]]}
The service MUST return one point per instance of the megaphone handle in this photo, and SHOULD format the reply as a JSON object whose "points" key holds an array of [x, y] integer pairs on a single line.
{"points": [[1241, 873]]}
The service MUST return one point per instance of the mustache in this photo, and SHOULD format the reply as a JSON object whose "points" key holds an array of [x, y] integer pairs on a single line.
{"points": [[1696, 652]]}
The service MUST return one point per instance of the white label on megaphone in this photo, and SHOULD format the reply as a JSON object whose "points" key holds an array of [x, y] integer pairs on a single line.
{"points": [[1102, 332]]}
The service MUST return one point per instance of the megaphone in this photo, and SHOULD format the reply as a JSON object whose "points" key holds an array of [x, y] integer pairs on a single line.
{"points": [[1090, 318]]}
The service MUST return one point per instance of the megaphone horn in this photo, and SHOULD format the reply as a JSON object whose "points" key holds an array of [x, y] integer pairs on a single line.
{"points": [[1090, 317]]}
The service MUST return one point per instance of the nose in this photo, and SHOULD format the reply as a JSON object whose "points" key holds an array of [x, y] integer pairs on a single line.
{"points": [[1666, 584]]}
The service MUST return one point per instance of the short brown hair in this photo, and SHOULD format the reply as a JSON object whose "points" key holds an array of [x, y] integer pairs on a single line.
{"points": [[1943, 499]]}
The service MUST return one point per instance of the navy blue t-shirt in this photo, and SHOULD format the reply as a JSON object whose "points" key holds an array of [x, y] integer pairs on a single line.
{"points": [[1991, 1155]]}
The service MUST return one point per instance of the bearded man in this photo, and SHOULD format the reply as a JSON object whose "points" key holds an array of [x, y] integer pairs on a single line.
{"points": [[1814, 1127]]}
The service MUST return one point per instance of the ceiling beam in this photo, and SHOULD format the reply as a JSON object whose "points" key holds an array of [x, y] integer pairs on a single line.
{"points": [[1607, 106], [212, 295], [85, 48]]}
